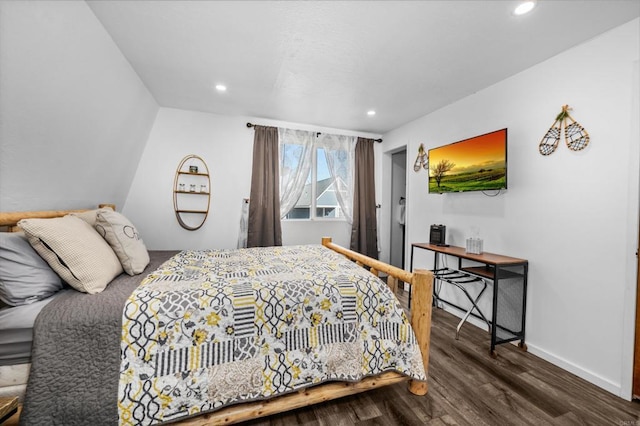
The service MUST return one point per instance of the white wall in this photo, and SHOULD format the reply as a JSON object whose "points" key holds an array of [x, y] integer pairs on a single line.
{"points": [[226, 144], [573, 215], [74, 116]]}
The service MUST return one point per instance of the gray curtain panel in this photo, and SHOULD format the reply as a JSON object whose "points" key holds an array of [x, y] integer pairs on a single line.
{"points": [[364, 232], [264, 206]]}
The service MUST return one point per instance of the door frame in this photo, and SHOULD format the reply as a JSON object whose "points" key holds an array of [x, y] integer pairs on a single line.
{"points": [[635, 392], [635, 378]]}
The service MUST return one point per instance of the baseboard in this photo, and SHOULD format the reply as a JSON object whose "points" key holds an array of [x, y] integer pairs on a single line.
{"points": [[572, 368], [609, 386]]}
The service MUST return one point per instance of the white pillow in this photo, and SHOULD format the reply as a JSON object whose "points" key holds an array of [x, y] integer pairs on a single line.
{"points": [[123, 238], [74, 250]]}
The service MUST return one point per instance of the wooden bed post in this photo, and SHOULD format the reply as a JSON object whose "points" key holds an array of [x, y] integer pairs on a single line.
{"points": [[422, 289], [392, 282]]}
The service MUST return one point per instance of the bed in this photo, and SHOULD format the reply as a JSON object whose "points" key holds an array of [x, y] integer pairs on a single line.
{"points": [[85, 355]]}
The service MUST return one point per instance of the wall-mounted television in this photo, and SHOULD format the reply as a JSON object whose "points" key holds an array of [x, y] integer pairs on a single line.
{"points": [[474, 164]]}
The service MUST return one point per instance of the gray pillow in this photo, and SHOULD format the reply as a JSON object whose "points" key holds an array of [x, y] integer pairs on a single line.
{"points": [[24, 276]]}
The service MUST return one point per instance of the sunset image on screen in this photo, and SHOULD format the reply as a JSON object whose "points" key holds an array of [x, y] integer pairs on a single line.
{"points": [[474, 164]]}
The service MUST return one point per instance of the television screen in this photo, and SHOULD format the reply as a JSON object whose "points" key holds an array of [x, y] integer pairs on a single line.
{"points": [[475, 164]]}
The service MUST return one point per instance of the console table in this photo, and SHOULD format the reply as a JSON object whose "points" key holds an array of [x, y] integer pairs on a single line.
{"points": [[509, 276]]}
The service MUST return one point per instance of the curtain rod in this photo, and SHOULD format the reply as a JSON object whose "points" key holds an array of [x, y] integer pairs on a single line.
{"points": [[250, 125]]}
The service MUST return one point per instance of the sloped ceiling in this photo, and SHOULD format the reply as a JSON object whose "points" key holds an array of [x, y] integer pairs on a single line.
{"points": [[74, 115], [328, 63]]}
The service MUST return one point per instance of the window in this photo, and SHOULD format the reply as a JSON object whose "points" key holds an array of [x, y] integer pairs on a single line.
{"points": [[316, 175], [319, 198]]}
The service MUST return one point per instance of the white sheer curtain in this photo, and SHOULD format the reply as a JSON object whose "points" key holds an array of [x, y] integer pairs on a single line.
{"points": [[244, 224], [296, 150], [340, 153]]}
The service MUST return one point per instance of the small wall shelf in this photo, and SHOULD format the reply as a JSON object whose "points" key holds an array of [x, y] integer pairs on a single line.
{"points": [[192, 193], [192, 178], [193, 173]]}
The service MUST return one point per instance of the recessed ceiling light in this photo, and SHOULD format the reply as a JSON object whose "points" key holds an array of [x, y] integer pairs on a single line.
{"points": [[221, 88], [524, 7], [371, 112]]}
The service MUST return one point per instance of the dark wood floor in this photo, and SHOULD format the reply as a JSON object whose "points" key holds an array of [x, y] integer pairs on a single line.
{"points": [[468, 387]]}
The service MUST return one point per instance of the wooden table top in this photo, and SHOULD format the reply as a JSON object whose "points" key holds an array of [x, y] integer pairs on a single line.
{"points": [[487, 258]]}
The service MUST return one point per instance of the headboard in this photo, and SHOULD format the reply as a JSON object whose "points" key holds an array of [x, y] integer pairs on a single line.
{"points": [[9, 220]]}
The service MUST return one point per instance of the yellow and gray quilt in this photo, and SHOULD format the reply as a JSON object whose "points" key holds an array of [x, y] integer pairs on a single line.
{"points": [[212, 328]]}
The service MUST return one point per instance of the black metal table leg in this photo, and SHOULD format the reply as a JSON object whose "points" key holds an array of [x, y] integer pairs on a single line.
{"points": [[522, 345], [494, 311]]}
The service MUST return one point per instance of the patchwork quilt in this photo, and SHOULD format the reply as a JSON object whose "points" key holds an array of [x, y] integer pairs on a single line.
{"points": [[217, 327]]}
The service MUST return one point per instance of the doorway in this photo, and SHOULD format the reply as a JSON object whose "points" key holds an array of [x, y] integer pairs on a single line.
{"points": [[398, 206]]}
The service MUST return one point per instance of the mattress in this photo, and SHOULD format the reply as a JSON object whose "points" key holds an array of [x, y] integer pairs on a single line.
{"points": [[13, 380], [16, 332], [16, 336]]}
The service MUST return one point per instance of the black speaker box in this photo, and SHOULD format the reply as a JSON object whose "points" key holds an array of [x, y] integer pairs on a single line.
{"points": [[438, 234]]}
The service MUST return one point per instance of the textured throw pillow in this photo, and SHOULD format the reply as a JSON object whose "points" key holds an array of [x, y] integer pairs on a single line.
{"points": [[90, 216], [123, 238], [74, 250], [24, 276]]}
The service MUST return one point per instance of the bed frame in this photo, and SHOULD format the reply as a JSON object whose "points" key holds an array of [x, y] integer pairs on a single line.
{"points": [[421, 282]]}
